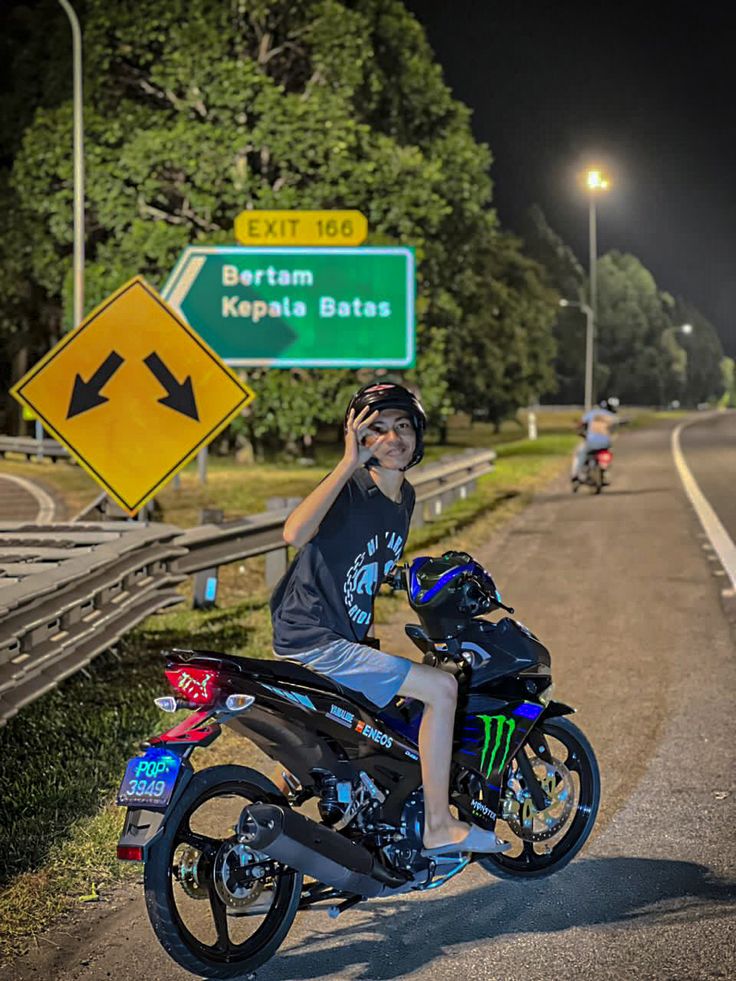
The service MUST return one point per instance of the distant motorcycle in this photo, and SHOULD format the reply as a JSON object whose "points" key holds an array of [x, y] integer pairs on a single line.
{"points": [[226, 853], [594, 471]]}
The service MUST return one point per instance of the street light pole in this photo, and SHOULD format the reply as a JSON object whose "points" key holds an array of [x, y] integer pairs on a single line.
{"points": [[592, 256], [78, 165], [596, 182], [588, 311], [589, 341]]}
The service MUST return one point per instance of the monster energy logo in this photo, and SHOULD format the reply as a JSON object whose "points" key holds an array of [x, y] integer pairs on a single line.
{"points": [[495, 726]]}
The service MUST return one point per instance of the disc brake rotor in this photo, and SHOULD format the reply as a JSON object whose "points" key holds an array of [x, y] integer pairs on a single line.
{"points": [[237, 877], [519, 811]]}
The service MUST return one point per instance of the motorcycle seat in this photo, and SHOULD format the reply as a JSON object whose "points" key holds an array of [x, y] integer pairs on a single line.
{"points": [[271, 671]]}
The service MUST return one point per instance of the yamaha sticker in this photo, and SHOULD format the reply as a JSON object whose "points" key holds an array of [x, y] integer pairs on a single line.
{"points": [[342, 716]]}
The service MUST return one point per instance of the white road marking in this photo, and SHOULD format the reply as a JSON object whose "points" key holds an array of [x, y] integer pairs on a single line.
{"points": [[717, 534], [46, 506]]}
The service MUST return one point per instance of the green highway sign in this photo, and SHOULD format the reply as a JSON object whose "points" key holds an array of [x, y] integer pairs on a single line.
{"points": [[305, 307]]}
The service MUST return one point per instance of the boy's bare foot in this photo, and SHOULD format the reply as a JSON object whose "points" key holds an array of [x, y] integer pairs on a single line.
{"points": [[462, 837], [447, 834]]}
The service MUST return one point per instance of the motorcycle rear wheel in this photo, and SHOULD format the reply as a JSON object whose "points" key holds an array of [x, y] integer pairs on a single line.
{"points": [[210, 870], [540, 853]]}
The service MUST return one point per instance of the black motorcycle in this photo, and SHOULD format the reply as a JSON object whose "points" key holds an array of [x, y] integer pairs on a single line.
{"points": [[226, 853]]}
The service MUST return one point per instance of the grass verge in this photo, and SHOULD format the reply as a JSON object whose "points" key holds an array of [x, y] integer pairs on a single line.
{"points": [[58, 828]]}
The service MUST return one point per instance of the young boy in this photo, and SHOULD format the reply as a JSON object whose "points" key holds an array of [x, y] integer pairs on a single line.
{"points": [[351, 531]]}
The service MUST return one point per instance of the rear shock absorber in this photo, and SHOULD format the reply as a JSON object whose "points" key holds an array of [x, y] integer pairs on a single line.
{"points": [[330, 809]]}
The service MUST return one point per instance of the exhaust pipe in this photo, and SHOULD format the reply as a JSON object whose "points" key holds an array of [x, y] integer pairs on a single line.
{"points": [[315, 850]]}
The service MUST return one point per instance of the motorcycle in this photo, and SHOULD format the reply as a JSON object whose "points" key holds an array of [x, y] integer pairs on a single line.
{"points": [[594, 471], [227, 854]]}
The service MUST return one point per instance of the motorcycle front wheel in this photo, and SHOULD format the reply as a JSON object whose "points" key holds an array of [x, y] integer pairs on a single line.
{"points": [[545, 841], [218, 909]]}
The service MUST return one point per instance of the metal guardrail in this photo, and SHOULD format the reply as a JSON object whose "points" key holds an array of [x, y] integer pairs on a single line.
{"points": [[32, 448], [69, 592]]}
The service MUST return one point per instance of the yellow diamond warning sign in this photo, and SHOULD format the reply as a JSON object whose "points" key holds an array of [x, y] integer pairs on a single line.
{"points": [[133, 392]]}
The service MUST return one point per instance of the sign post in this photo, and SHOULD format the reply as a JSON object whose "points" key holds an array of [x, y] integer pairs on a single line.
{"points": [[299, 307]]}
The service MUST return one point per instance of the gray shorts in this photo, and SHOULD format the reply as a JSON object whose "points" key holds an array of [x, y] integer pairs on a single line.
{"points": [[375, 674]]}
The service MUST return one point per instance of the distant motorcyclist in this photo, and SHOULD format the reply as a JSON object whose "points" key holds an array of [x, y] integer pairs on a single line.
{"points": [[596, 427]]}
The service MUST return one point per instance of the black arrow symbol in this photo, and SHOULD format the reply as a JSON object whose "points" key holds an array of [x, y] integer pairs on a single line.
{"points": [[179, 397], [86, 394]]}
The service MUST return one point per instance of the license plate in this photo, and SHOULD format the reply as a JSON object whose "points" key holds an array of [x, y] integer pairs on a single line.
{"points": [[149, 779]]}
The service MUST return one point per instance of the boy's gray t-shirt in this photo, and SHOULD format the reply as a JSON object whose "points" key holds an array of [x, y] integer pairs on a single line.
{"points": [[328, 591]]}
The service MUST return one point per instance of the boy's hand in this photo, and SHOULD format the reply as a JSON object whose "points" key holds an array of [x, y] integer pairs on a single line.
{"points": [[356, 430]]}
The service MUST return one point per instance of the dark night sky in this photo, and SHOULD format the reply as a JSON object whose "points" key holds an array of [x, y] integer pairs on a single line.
{"points": [[647, 93]]}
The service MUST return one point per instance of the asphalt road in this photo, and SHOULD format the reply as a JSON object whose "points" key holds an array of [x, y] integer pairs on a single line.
{"points": [[709, 448], [622, 591], [22, 500]]}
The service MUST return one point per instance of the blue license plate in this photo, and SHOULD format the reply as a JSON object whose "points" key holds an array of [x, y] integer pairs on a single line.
{"points": [[149, 779]]}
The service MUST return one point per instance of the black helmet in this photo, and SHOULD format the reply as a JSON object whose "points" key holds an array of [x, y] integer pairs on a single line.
{"points": [[388, 395], [610, 405]]}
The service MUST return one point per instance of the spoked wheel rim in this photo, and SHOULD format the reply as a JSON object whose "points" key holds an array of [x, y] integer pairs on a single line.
{"points": [[568, 773], [219, 887]]}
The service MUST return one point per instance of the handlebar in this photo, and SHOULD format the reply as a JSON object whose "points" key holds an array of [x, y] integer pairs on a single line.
{"points": [[396, 580], [475, 593]]}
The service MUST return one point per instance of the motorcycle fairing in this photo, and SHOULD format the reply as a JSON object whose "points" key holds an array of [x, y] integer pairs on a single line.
{"points": [[491, 731], [303, 725]]}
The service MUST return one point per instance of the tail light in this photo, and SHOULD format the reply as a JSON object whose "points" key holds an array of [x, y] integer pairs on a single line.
{"points": [[128, 853], [605, 457], [199, 686]]}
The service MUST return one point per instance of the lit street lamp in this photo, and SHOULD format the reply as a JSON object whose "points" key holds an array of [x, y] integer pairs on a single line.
{"points": [[588, 311], [686, 328]]}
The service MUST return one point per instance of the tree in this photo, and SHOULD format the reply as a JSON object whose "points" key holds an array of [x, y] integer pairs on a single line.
{"points": [[702, 346], [196, 110], [503, 358], [562, 273], [632, 364], [728, 375], [28, 316]]}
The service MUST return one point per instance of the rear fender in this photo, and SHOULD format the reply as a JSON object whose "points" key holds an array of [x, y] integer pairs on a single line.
{"points": [[142, 825], [197, 730]]}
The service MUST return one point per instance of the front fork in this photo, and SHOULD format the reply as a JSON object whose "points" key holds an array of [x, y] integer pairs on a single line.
{"points": [[538, 796], [539, 745]]}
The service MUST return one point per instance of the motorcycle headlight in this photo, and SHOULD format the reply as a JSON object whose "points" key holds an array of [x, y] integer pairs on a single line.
{"points": [[545, 697]]}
